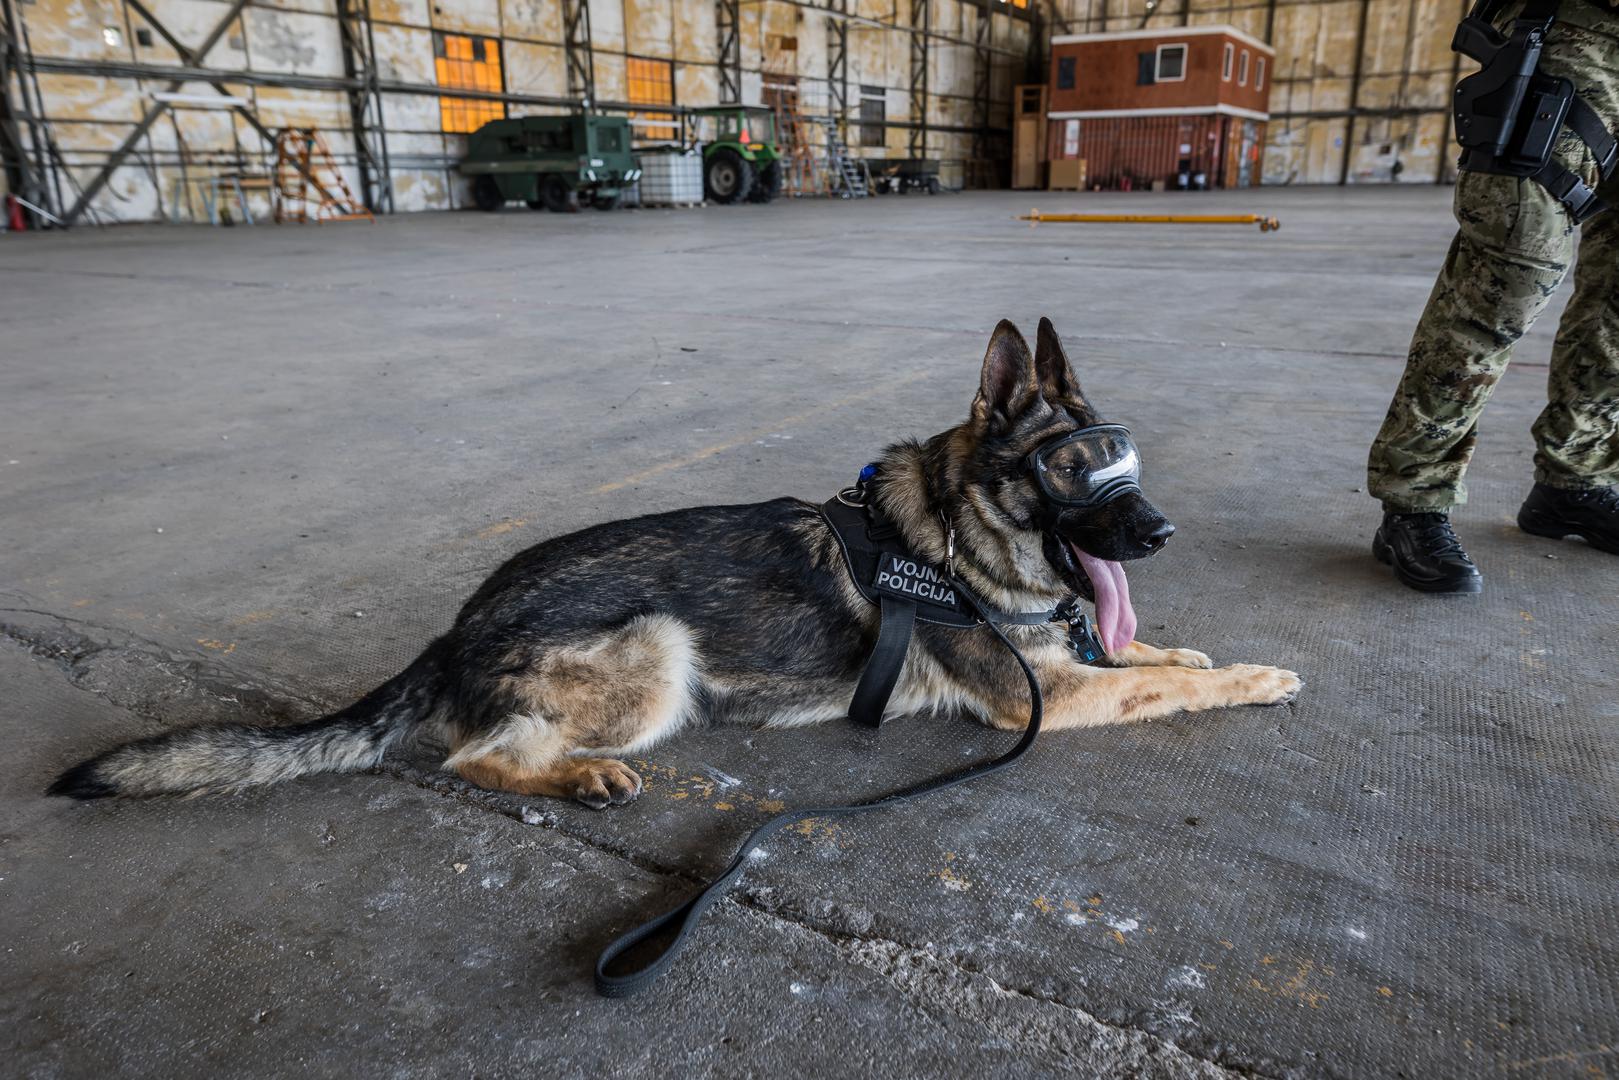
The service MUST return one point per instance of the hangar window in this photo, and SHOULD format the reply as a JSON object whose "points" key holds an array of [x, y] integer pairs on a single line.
{"points": [[1225, 63], [462, 62], [652, 82], [1065, 73], [1242, 69], [1259, 75], [1171, 66], [873, 116]]}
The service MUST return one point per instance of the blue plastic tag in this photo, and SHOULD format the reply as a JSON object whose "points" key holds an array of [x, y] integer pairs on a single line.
{"points": [[1083, 640]]}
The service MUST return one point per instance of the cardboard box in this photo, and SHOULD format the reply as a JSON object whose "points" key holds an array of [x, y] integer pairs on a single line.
{"points": [[1066, 174]]}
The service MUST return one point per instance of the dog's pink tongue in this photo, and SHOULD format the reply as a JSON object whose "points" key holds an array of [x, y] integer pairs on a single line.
{"points": [[1115, 618]]}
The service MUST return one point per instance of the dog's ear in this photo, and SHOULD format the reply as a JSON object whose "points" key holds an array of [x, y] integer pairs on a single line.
{"points": [[1058, 383], [1008, 384]]}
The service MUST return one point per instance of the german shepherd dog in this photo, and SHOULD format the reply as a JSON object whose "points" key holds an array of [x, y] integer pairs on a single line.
{"points": [[600, 643]]}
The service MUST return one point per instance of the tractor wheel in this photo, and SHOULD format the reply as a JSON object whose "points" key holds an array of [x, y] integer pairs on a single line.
{"points": [[557, 196], [607, 202], [727, 178], [486, 194], [766, 184]]}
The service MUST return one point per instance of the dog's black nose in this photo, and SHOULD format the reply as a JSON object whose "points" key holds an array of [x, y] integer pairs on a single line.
{"points": [[1153, 535]]}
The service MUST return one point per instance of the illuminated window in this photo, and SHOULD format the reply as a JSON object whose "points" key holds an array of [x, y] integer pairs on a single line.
{"points": [[1020, 3], [1242, 69], [652, 82], [1225, 63], [1259, 75], [467, 63]]}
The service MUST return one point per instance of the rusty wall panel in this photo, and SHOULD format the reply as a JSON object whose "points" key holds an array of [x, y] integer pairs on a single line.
{"points": [[469, 16], [540, 70], [409, 12], [695, 35], [649, 27], [536, 20], [292, 42]]}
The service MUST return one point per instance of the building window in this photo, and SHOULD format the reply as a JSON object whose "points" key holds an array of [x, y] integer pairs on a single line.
{"points": [[873, 116], [1225, 63], [1145, 64], [467, 63], [652, 82], [1242, 69], [1171, 65], [1259, 75], [1065, 73]]}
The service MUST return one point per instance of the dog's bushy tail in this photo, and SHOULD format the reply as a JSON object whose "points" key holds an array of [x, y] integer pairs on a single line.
{"points": [[224, 757]]}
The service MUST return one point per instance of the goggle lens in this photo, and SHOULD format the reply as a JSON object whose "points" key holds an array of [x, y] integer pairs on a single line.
{"points": [[1088, 466]]}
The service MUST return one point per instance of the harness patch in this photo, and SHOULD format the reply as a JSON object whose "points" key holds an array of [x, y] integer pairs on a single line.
{"points": [[911, 580]]}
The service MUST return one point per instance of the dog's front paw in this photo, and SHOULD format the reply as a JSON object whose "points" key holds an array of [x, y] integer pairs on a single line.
{"points": [[1255, 684], [1186, 658], [603, 782]]}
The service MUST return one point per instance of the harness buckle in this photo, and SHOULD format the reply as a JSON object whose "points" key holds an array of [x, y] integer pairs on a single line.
{"points": [[949, 545]]}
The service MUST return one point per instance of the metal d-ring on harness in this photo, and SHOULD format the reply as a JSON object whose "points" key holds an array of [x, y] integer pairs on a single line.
{"points": [[906, 589], [1508, 114]]}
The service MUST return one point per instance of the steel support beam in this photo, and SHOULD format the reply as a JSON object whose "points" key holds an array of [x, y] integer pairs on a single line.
{"points": [[157, 109], [579, 54], [728, 21], [190, 58], [1354, 92], [837, 67], [983, 73], [365, 102], [25, 167], [921, 24]]}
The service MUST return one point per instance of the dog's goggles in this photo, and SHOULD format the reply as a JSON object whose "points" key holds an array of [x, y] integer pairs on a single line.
{"points": [[1087, 467]]}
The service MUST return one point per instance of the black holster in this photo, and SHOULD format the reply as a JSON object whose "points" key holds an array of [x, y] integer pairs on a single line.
{"points": [[1508, 114]]}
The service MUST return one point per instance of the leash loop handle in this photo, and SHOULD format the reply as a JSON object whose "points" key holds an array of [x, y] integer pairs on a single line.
{"points": [[618, 976]]}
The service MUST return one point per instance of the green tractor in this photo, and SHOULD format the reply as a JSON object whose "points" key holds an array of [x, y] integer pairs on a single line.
{"points": [[741, 154], [551, 162]]}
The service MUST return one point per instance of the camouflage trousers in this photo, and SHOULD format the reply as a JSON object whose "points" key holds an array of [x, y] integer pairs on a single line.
{"points": [[1511, 253]]}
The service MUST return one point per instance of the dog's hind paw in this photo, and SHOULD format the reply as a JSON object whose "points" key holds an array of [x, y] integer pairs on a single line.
{"points": [[1256, 684]]}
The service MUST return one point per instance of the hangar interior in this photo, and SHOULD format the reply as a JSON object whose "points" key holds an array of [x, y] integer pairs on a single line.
{"points": [[247, 472], [1359, 88]]}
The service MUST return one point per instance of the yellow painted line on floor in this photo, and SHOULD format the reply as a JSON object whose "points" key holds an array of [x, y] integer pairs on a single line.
{"points": [[748, 437]]}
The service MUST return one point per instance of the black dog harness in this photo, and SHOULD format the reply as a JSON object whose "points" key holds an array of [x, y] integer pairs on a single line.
{"points": [[906, 590]]}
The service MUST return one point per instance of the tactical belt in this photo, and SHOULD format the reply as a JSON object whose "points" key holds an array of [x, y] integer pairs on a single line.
{"points": [[906, 590], [1508, 114]]}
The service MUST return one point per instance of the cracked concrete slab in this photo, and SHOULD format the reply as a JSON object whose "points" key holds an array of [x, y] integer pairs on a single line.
{"points": [[1408, 871], [369, 927]]}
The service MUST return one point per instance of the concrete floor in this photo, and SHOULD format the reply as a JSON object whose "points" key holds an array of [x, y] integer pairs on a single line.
{"points": [[250, 472]]}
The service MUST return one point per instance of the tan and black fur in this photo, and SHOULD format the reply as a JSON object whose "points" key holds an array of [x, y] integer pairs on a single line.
{"points": [[597, 644]]}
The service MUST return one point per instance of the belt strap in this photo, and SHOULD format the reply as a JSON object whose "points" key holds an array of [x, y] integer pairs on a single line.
{"points": [[634, 961], [887, 657], [1575, 194], [1584, 122]]}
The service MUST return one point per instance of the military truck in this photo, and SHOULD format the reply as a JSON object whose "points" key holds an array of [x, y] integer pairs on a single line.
{"points": [[552, 162], [741, 155]]}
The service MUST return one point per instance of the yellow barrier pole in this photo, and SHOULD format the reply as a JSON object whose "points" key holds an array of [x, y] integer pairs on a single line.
{"points": [[1266, 224]]}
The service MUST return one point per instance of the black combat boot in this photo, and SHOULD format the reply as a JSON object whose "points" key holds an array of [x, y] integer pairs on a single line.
{"points": [[1425, 553], [1559, 512]]}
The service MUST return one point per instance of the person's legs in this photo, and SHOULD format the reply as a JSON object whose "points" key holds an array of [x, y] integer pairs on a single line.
{"points": [[1509, 255], [1577, 435]]}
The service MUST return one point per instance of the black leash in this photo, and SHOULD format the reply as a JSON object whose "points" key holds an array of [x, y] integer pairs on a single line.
{"points": [[618, 975]]}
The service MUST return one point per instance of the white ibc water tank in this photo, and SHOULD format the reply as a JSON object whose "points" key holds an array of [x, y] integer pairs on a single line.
{"points": [[671, 177]]}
